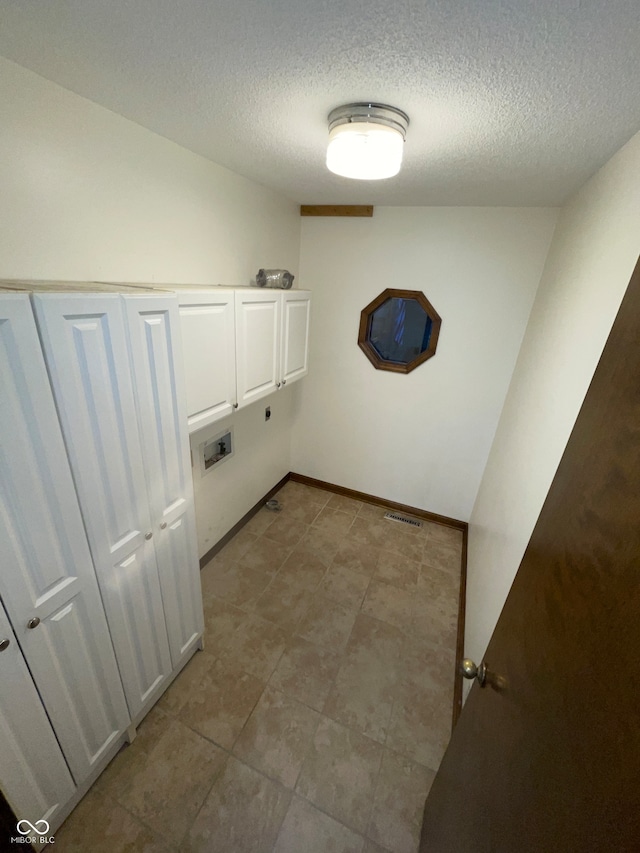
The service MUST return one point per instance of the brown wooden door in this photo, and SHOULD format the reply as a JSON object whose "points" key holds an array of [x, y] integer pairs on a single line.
{"points": [[551, 762]]}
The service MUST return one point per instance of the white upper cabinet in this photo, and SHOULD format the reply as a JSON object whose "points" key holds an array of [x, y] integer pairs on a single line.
{"points": [[85, 343], [207, 319], [239, 346], [294, 351], [27, 741], [47, 581], [154, 327], [257, 343]]}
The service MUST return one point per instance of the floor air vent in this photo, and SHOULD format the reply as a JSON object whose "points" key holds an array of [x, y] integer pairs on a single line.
{"points": [[412, 521]]}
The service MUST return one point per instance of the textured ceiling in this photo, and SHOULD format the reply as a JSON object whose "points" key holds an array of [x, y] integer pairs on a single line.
{"points": [[512, 102]]}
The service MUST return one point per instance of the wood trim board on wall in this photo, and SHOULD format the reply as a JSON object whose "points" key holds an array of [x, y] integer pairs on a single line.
{"points": [[398, 507], [336, 210]]}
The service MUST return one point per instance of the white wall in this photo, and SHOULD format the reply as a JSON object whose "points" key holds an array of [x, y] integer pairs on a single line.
{"points": [[260, 460], [88, 195], [422, 438], [594, 250]]}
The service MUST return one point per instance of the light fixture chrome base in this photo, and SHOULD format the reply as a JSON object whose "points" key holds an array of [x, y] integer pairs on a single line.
{"points": [[370, 112]]}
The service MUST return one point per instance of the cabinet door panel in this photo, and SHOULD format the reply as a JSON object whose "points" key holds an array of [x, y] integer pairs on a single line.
{"points": [[154, 336], [33, 774], [295, 334], [257, 344], [207, 325], [47, 568], [86, 349]]}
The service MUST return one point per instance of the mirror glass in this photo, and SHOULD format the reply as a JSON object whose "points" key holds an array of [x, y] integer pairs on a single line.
{"points": [[400, 330]]}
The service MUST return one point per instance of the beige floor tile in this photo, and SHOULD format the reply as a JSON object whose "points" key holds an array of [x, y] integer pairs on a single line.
{"points": [[372, 511], [164, 776], [340, 772], [286, 530], [307, 830], [320, 545], [373, 641], [420, 727], [420, 724], [220, 621], [442, 556], [435, 620], [390, 604], [255, 647], [189, 679], [397, 570], [361, 698], [424, 666], [344, 504], [356, 556], [327, 623], [372, 847], [242, 813], [300, 492], [344, 585], [101, 825], [303, 569], [237, 584], [435, 582], [283, 603], [442, 533], [232, 551], [306, 672], [265, 555], [219, 701], [259, 523], [366, 684], [369, 531], [404, 540], [399, 802], [333, 522], [277, 736], [302, 508]]}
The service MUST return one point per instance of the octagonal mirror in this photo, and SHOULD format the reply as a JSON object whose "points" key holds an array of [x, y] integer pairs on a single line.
{"points": [[399, 330]]}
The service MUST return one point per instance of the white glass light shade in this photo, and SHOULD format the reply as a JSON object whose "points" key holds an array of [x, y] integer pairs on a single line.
{"points": [[365, 150]]}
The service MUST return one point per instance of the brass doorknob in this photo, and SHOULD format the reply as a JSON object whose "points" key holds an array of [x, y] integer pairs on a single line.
{"points": [[33, 622], [469, 670]]}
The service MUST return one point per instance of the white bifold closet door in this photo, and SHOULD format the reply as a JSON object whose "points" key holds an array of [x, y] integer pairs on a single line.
{"points": [[154, 327], [86, 348], [47, 579], [33, 774]]}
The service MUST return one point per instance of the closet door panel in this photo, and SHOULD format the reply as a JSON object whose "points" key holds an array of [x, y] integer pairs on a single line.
{"points": [[47, 576], [154, 335], [33, 774], [86, 350]]}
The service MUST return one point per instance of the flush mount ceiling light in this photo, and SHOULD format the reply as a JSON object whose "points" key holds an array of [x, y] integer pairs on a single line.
{"points": [[366, 141]]}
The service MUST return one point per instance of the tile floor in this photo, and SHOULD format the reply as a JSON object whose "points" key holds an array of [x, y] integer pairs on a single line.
{"points": [[320, 708]]}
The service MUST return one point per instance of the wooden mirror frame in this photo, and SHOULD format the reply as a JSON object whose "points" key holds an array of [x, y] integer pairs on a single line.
{"points": [[364, 332]]}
